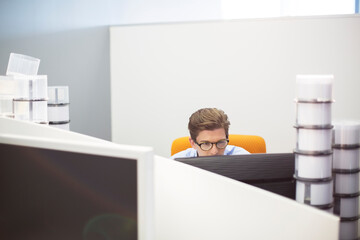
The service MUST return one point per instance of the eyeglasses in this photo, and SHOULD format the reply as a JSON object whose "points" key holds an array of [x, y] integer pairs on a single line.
{"points": [[206, 146]]}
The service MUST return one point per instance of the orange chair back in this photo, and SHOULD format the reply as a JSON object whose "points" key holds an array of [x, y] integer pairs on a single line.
{"points": [[251, 143]]}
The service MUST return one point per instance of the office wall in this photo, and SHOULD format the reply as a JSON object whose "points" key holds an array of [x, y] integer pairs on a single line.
{"points": [[72, 40], [161, 73]]}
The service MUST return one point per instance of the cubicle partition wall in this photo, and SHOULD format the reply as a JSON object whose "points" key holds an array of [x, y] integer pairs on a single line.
{"points": [[194, 203], [161, 73], [65, 185]]}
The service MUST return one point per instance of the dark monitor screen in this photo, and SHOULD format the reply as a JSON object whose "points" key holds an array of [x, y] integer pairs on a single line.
{"points": [[270, 171], [53, 194]]}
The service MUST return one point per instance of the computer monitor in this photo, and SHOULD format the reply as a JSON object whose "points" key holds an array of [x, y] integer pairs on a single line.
{"points": [[63, 189], [270, 171]]}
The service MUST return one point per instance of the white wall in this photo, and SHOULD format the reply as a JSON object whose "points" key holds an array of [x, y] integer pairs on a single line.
{"points": [[162, 73]]}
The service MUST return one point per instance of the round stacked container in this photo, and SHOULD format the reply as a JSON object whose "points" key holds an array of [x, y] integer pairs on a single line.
{"points": [[30, 101], [346, 148], [58, 107], [313, 152]]}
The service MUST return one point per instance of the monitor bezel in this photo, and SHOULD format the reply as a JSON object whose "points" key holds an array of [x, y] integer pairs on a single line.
{"points": [[275, 173], [143, 155]]}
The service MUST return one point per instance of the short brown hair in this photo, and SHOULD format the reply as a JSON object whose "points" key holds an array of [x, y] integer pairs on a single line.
{"points": [[208, 119]]}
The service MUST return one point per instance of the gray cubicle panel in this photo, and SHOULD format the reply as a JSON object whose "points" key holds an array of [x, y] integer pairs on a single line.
{"points": [[162, 73]]}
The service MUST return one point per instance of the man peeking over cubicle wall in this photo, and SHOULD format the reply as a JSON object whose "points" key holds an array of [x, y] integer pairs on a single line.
{"points": [[209, 135]]}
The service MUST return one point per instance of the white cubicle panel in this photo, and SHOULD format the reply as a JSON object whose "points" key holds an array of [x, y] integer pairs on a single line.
{"points": [[161, 73], [192, 203], [14, 126]]}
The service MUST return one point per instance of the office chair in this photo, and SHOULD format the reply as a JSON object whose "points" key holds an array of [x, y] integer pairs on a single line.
{"points": [[251, 143]]}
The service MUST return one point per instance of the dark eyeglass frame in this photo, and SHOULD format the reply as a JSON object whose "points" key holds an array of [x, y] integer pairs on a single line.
{"points": [[212, 144]]}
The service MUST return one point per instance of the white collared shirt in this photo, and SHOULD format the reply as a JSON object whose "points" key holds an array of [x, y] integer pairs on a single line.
{"points": [[191, 152]]}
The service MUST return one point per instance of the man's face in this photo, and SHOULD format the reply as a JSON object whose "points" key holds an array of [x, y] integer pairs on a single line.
{"points": [[212, 136]]}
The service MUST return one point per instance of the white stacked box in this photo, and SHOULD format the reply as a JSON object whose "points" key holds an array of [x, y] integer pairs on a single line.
{"points": [[346, 147], [30, 97], [30, 101], [7, 93], [58, 107], [313, 153], [22, 64]]}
